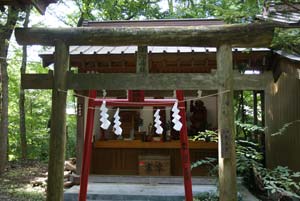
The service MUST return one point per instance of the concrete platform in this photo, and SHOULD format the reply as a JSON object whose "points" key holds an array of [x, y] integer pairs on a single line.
{"points": [[136, 188]]}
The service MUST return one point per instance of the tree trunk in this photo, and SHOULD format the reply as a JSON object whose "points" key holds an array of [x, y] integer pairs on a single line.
{"points": [[6, 32], [22, 95]]}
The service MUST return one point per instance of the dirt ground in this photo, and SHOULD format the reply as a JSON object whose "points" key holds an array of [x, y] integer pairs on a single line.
{"points": [[22, 181]]}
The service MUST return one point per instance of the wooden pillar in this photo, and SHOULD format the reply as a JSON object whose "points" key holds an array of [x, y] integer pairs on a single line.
{"points": [[80, 133], [226, 134], [58, 124]]}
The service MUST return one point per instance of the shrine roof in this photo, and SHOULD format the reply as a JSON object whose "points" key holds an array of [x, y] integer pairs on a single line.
{"points": [[102, 50], [284, 14]]}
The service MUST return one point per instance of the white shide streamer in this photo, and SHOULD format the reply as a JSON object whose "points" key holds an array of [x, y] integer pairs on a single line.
{"points": [[157, 125], [104, 116], [176, 117], [117, 123]]}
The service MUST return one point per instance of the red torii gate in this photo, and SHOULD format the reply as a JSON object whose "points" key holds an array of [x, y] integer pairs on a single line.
{"points": [[185, 155]]}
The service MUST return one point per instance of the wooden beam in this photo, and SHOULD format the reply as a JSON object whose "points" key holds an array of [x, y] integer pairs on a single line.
{"points": [[132, 81], [238, 35], [37, 81], [142, 64], [226, 130], [251, 82], [58, 124], [157, 81]]}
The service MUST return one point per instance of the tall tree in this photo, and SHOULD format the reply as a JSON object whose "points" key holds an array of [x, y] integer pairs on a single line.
{"points": [[112, 10], [22, 93], [6, 29], [228, 10]]}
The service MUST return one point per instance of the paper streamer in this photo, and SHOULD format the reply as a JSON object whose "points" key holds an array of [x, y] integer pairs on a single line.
{"points": [[117, 123], [104, 116], [176, 117], [157, 125]]}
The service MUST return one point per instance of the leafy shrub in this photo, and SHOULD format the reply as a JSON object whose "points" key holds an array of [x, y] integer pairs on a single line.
{"points": [[207, 136], [207, 196], [280, 182], [211, 196], [210, 162], [247, 157]]}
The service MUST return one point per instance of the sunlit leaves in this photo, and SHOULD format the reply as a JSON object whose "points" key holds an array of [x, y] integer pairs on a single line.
{"points": [[37, 107]]}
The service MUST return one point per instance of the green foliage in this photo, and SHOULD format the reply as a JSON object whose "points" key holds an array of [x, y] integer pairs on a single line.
{"points": [[287, 39], [211, 196], [209, 162], [38, 109], [38, 112], [113, 10], [207, 196], [280, 181], [247, 157], [207, 136], [248, 130], [249, 127], [23, 195], [231, 11], [71, 136]]}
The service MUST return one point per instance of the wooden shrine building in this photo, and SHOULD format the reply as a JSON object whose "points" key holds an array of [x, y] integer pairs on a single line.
{"points": [[161, 59], [149, 59]]}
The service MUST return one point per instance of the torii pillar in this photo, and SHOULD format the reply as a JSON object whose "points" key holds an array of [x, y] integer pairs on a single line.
{"points": [[226, 131], [57, 143]]}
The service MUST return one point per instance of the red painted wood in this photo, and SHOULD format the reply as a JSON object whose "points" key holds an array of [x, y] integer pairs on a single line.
{"points": [[185, 154], [136, 95], [127, 103], [87, 149]]}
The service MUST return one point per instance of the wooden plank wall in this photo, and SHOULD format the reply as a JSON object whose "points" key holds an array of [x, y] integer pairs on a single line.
{"points": [[125, 161], [283, 106]]}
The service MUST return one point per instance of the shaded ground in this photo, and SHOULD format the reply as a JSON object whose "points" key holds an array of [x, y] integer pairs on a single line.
{"points": [[24, 181]]}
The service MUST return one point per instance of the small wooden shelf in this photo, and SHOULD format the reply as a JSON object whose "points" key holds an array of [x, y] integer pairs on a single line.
{"points": [[137, 144]]}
